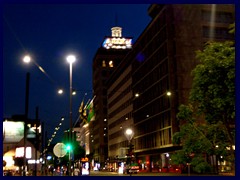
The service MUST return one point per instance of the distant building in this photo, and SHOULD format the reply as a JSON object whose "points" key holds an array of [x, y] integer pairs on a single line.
{"points": [[13, 141], [114, 48], [160, 63]]}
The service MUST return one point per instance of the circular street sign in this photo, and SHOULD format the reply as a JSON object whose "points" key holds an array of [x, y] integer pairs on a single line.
{"points": [[59, 150]]}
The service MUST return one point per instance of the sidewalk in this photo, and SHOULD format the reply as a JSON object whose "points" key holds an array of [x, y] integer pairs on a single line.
{"points": [[180, 174]]}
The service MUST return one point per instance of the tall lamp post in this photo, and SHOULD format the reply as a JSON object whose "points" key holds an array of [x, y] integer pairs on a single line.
{"points": [[129, 135], [70, 59], [26, 59]]}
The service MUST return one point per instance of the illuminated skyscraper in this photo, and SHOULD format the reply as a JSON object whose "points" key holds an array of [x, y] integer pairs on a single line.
{"points": [[162, 59], [114, 48]]}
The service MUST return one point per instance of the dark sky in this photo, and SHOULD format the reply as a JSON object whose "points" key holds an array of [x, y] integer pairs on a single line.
{"points": [[49, 33]]}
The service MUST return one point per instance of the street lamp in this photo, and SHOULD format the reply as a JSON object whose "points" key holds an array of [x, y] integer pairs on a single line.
{"points": [[129, 135], [60, 91], [169, 93], [26, 59], [70, 59]]}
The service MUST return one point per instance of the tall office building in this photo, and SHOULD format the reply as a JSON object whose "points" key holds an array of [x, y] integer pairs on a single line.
{"points": [[120, 109], [161, 62], [106, 59]]}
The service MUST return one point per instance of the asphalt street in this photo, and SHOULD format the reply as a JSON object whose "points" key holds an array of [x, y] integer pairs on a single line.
{"points": [[105, 173]]}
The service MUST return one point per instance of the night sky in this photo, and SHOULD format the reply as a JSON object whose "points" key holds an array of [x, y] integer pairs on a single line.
{"points": [[49, 32]]}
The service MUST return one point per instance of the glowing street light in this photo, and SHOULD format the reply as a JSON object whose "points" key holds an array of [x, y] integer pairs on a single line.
{"points": [[137, 95], [27, 59], [169, 93], [60, 91], [74, 92], [129, 135], [70, 59]]}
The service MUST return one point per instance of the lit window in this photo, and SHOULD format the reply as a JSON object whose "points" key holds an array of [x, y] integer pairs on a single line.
{"points": [[111, 63], [103, 63]]}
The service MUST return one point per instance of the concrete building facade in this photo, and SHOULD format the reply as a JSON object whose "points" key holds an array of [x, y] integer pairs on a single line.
{"points": [[114, 48], [160, 63]]}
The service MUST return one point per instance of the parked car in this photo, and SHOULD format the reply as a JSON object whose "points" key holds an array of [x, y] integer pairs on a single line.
{"points": [[129, 169]]}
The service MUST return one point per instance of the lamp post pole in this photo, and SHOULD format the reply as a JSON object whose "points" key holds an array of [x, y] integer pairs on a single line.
{"points": [[129, 135], [25, 123], [71, 59], [70, 118]]}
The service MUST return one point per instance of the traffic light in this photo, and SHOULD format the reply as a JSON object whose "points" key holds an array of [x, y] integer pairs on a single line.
{"points": [[69, 136], [68, 147], [131, 147]]}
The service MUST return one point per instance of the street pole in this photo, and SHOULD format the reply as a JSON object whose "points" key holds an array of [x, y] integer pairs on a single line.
{"points": [[25, 123], [188, 164], [42, 148], [70, 59], [130, 152], [36, 142]]}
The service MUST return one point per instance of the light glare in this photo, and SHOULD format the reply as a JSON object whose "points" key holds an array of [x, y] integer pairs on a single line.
{"points": [[60, 91], [128, 131], [71, 59], [27, 59], [169, 93]]}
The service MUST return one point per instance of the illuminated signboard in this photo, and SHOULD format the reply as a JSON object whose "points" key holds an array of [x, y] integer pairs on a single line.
{"points": [[117, 43], [84, 159], [12, 131], [20, 152]]}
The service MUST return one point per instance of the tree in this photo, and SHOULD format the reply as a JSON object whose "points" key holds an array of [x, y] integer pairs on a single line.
{"points": [[213, 90], [209, 118], [79, 151], [232, 28]]}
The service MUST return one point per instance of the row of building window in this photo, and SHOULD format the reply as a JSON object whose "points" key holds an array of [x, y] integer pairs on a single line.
{"points": [[107, 63], [152, 92], [159, 58], [217, 33], [154, 140], [158, 27], [156, 49], [160, 120], [120, 120], [151, 119], [120, 84], [118, 133], [219, 17], [120, 96], [115, 147], [121, 108]]}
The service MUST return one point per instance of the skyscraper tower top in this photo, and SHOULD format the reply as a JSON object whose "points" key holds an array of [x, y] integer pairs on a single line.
{"points": [[116, 31], [116, 41]]}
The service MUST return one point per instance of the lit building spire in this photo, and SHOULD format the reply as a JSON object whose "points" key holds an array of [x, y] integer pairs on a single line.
{"points": [[116, 41], [116, 31]]}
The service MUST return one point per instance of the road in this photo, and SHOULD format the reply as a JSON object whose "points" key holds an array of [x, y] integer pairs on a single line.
{"points": [[105, 173]]}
